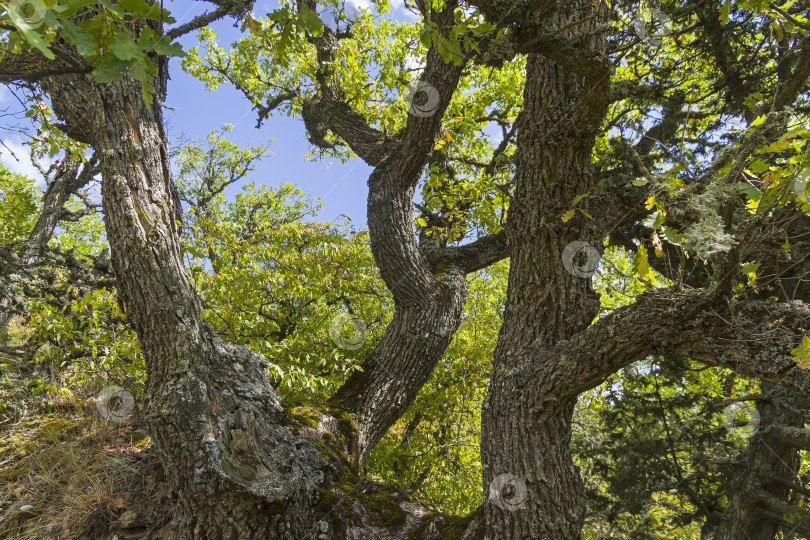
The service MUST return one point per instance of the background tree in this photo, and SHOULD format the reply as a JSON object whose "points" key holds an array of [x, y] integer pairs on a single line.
{"points": [[65, 179]]}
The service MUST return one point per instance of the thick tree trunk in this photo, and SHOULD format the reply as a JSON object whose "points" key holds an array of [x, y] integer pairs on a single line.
{"points": [[526, 431], [428, 313], [219, 428]]}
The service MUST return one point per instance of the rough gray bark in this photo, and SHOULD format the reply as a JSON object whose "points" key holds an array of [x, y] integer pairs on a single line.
{"points": [[429, 298], [526, 434], [428, 305]]}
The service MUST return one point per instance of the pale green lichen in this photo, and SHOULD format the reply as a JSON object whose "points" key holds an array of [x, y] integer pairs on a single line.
{"points": [[707, 238]]}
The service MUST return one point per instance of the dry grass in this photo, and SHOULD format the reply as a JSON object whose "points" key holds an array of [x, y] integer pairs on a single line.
{"points": [[74, 475]]}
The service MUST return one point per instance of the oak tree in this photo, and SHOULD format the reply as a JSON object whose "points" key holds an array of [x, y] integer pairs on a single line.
{"points": [[681, 136]]}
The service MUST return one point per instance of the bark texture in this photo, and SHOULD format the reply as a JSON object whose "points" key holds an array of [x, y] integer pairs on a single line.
{"points": [[429, 298], [237, 469], [526, 432]]}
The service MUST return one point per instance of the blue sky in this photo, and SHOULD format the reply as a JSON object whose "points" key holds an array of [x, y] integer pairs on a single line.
{"points": [[193, 112]]}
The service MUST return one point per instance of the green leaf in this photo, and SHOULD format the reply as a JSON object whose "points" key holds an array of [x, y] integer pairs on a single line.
{"points": [[672, 235], [109, 70], [483, 28], [113, 8], [143, 9], [426, 36], [758, 121], [641, 263], [759, 167], [125, 47], [166, 48], [578, 198], [801, 354], [70, 8], [654, 220], [141, 68], [310, 21], [77, 35], [724, 12], [149, 40], [148, 92]]}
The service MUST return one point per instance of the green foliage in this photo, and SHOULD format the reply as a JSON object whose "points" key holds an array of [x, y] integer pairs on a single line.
{"points": [[778, 173], [375, 63], [802, 353], [707, 139], [206, 169], [653, 449], [646, 429], [75, 332], [619, 283], [85, 343], [113, 38], [19, 205], [271, 277], [273, 281]]}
